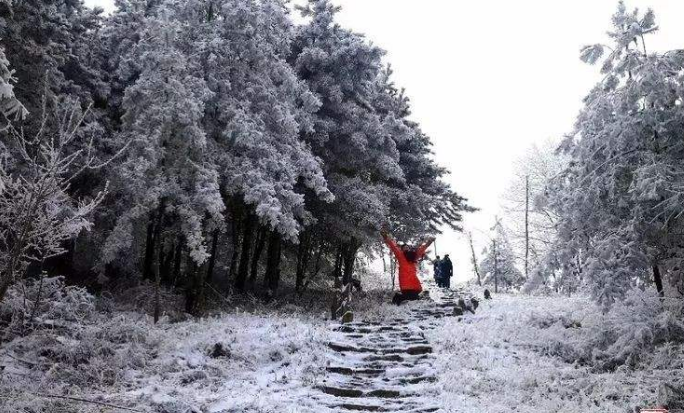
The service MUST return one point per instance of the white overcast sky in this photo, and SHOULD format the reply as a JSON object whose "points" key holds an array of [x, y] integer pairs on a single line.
{"points": [[487, 79]]}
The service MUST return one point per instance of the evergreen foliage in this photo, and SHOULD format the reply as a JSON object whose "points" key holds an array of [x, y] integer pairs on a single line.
{"points": [[242, 144]]}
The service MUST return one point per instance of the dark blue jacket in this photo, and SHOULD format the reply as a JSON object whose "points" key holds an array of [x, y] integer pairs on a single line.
{"points": [[437, 265], [446, 268]]}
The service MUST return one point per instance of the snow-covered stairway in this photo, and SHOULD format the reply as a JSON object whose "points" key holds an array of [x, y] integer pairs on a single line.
{"points": [[387, 366]]}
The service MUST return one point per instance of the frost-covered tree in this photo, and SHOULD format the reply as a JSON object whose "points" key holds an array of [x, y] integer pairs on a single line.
{"points": [[498, 264], [216, 114], [377, 163], [47, 43], [37, 212], [360, 156], [620, 197], [165, 170], [532, 223], [422, 203], [257, 124], [10, 107], [254, 146]]}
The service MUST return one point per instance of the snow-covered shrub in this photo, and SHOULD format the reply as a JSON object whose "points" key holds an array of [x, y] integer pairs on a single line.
{"points": [[45, 301], [635, 331], [37, 211]]}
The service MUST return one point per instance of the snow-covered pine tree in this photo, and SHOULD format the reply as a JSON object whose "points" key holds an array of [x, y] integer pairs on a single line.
{"points": [[10, 107], [360, 156], [498, 264], [242, 128], [620, 197], [47, 44], [216, 113], [422, 202], [377, 163]]}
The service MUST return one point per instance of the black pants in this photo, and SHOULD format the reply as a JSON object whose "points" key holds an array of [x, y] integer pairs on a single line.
{"points": [[405, 296]]}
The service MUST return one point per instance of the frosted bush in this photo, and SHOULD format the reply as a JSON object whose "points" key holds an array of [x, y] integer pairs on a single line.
{"points": [[46, 301], [635, 331]]}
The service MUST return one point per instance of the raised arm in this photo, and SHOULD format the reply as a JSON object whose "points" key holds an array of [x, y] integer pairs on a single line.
{"points": [[421, 250], [391, 243]]}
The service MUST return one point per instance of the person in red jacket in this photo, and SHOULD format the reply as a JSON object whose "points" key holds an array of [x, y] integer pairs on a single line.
{"points": [[408, 258]]}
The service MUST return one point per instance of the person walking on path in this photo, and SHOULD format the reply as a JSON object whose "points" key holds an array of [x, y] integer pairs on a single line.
{"points": [[437, 270], [446, 270], [407, 258]]}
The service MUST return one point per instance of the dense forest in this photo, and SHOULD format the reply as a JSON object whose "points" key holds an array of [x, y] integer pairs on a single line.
{"points": [[203, 144]]}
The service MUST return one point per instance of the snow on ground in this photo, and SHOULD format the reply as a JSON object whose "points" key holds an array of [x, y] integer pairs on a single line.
{"points": [[517, 353], [508, 357], [235, 362]]}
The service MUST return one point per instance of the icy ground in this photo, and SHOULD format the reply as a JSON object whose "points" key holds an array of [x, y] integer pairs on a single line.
{"points": [[516, 354]]}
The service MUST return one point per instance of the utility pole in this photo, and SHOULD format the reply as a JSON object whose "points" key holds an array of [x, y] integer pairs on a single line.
{"points": [[527, 225], [496, 266]]}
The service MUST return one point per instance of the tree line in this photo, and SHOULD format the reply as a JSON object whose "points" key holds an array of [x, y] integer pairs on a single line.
{"points": [[221, 143]]}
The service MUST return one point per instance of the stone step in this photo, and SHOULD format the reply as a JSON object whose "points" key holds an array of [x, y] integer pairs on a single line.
{"points": [[413, 350], [370, 371], [338, 391], [357, 378], [386, 366], [375, 405]]}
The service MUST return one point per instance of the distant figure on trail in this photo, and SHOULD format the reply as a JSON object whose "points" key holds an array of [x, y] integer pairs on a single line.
{"points": [[487, 294], [407, 258], [436, 270], [447, 271]]}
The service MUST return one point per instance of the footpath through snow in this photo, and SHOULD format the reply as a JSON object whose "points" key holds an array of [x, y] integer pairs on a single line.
{"points": [[385, 366]]}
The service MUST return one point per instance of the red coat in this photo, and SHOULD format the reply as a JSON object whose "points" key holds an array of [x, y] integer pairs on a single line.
{"points": [[408, 271]]}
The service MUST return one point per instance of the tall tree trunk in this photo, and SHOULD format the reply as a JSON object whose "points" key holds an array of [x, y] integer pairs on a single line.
{"points": [[384, 263], [349, 259], [260, 243], [393, 271], [191, 288], [337, 270], [212, 257], [658, 280], [195, 291], [474, 258], [273, 262], [317, 264], [149, 250], [177, 260], [167, 265], [153, 238], [496, 267], [157, 279], [303, 254], [247, 237], [235, 237], [527, 226]]}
